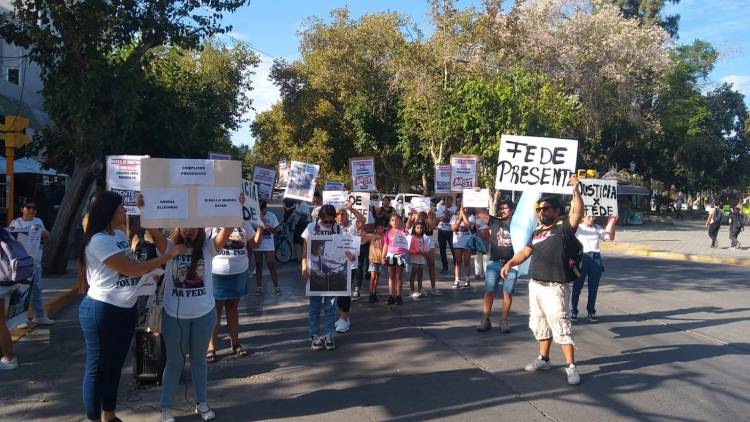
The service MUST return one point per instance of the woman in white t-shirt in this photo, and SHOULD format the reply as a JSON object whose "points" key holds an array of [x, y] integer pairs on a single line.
{"points": [[590, 234], [461, 227], [109, 274], [230, 278], [266, 251]]}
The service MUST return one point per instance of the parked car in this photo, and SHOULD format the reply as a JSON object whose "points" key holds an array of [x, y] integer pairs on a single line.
{"points": [[402, 204]]}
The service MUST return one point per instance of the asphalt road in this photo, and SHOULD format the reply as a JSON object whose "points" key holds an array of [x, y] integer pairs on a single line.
{"points": [[671, 344]]}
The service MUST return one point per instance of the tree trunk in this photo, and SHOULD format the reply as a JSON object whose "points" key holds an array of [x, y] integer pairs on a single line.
{"points": [[56, 250]]}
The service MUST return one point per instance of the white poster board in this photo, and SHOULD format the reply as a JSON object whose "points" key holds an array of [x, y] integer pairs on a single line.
{"points": [[328, 266], [599, 197], [169, 201], [532, 163], [264, 178], [302, 180], [475, 199], [360, 202], [17, 301], [333, 186], [124, 178], [219, 156], [251, 207], [362, 170], [443, 178], [283, 174], [421, 203], [336, 198], [463, 172]]}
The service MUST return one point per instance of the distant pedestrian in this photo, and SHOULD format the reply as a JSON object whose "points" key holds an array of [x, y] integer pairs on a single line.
{"points": [[713, 222], [395, 255], [735, 227], [589, 234], [444, 212], [551, 274]]}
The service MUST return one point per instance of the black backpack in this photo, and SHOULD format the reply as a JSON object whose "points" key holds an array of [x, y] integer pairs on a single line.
{"points": [[572, 254], [717, 215]]}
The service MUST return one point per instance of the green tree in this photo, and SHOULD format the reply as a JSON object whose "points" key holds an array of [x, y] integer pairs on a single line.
{"points": [[92, 56]]}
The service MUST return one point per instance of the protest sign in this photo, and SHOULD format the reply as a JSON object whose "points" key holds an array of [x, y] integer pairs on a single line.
{"points": [[463, 172], [599, 197], [302, 180], [264, 178], [337, 198], [531, 163], [283, 174], [475, 199], [171, 202], [361, 202], [219, 156], [124, 178], [251, 207], [362, 170], [333, 186], [443, 178], [421, 203], [328, 266], [17, 300]]}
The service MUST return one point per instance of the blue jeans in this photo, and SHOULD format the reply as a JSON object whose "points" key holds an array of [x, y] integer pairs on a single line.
{"points": [[591, 268], [313, 315], [181, 337], [107, 331], [37, 298]]}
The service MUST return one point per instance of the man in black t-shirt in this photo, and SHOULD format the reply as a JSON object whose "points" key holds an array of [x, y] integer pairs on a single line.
{"points": [[549, 287], [500, 252]]}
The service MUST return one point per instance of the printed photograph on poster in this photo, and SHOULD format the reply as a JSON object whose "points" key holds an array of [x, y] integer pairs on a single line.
{"points": [[443, 178], [165, 203], [362, 170], [361, 202], [124, 178], [251, 207], [472, 198], [463, 172], [333, 186], [599, 197], [328, 266], [533, 163], [264, 178], [302, 180], [283, 174], [419, 204], [218, 202], [17, 301], [336, 198], [191, 172]]}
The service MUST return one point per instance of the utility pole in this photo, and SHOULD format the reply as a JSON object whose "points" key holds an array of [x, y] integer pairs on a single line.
{"points": [[12, 131]]}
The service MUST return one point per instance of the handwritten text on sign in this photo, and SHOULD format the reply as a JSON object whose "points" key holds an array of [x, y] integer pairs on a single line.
{"points": [[251, 207], [531, 163], [599, 197], [361, 202]]}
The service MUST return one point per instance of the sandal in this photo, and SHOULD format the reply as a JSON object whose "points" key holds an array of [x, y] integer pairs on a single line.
{"points": [[237, 349], [211, 356]]}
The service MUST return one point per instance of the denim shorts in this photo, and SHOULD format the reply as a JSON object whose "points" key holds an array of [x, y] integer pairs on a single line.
{"points": [[375, 267], [492, 277], [230, 286]]}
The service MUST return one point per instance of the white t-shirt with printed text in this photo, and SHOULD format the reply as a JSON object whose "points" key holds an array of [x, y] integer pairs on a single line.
{"points": [[271, 222], [188, 296], [232, 258], [31, 237], [105, 284]]}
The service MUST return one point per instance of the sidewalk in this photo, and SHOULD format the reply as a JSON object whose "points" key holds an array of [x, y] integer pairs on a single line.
{"points": [[684, 240]]}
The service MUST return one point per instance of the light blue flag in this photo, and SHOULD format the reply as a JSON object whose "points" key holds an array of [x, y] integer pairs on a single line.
{"points": [[523, 224]]}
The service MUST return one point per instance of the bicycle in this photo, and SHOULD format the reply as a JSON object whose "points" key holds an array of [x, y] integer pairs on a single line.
{"points": [[283, 245]]}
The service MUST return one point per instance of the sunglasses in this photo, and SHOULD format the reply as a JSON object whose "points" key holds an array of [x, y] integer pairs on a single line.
{"points": [[544, 208], [31, 207]]}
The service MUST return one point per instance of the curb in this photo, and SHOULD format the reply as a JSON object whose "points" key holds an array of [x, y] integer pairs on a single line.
{"points": [[51, 307], [646, 251]]}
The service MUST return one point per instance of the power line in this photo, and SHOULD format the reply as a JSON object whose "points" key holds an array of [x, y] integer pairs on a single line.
{"points": [[250, 46]]}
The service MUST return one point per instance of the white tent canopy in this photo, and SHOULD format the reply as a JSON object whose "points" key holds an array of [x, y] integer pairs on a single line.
{"points": [[28, 165]]}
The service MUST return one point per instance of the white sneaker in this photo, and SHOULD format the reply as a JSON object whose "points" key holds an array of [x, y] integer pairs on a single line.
{"points": [[43, 320], [457, 284], [343, 325], [7, 365], [166, 416], [416, 295], [466, 284], [537, 365], [23, 325], [206, 413], [573, 377]]}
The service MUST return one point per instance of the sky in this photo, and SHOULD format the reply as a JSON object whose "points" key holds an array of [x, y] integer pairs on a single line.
{"points": [[271, 26]]}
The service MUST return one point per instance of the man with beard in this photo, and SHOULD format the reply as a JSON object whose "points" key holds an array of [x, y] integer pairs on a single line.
{"points": [[550, 277]]}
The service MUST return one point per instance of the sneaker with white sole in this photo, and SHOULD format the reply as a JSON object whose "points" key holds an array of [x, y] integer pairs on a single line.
{"points": [[258, 291], [8, 364], [278, 291], [466, 285], [592, 318], [356, 292], [23, 325], [416, 295], [317, 343], [572, 373], [504, 326], [43, 320], [166, 416], [206, 413], [485, 325], [436, 292], [343, 325], [457, 284], [574, 317], [328, 340], [537, 365]]}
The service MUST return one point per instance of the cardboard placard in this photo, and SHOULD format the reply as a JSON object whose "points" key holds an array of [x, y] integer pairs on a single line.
{"points": [[362, 170], [539, 164], [476, 199], [335, 186], [421, 203], [264, 178], [443, 178], [329, 266], [124, 178], [302, 180], [283, 178], [251, 207], [599, 197], [336, 198], [360, 202], [463, 172], [168, 205]]}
